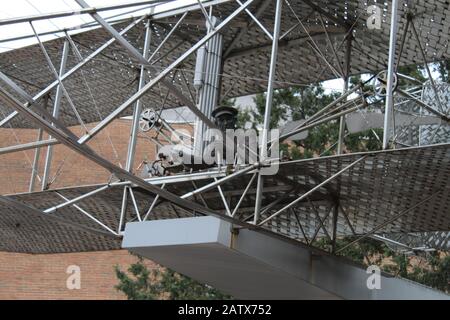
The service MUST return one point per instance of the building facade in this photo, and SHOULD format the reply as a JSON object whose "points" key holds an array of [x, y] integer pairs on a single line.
{"points": [[29, 276]]}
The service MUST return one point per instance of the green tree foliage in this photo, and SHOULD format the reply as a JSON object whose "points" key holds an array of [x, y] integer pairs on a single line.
{"points": [[437, 275], [228, 103], [443, 67], [415, 71], [142, 284], [301, 103], [369, 140], [434, 271], [297, 103]]}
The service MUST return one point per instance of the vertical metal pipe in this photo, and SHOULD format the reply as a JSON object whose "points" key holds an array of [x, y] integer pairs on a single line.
{"points": [[389, 107], [348, 55], [206, 90], [203, 100], [123, 209], [217, 69], [214, 52], [56, 108], [138, 105], [345, 89], [211, 75], [214, 84], [208, 93], [35, 165], [267, 113], [258, 199]]}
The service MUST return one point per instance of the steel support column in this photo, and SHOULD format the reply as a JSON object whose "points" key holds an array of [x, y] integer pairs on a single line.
{"points": [[37, 154], [138, 105], [346, 83], [389, 108], [267, 113], [56, 108], [34, 168]]}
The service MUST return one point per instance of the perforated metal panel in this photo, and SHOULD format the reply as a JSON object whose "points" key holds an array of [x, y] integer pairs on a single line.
{"points": [[384, 185], [372, 192], [112, 76], [439, 240], [438, 133]]}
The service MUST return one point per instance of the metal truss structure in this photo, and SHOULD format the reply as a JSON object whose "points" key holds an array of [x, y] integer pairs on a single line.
{"points": [[121, 68]]}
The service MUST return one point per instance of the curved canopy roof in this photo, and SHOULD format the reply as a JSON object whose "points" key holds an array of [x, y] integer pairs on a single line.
{"points": [[402, 191], [312, 30]]}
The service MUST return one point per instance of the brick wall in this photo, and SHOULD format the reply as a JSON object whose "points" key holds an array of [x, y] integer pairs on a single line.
{"points": [[71, 168], [28, 276], [24, 276]]}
